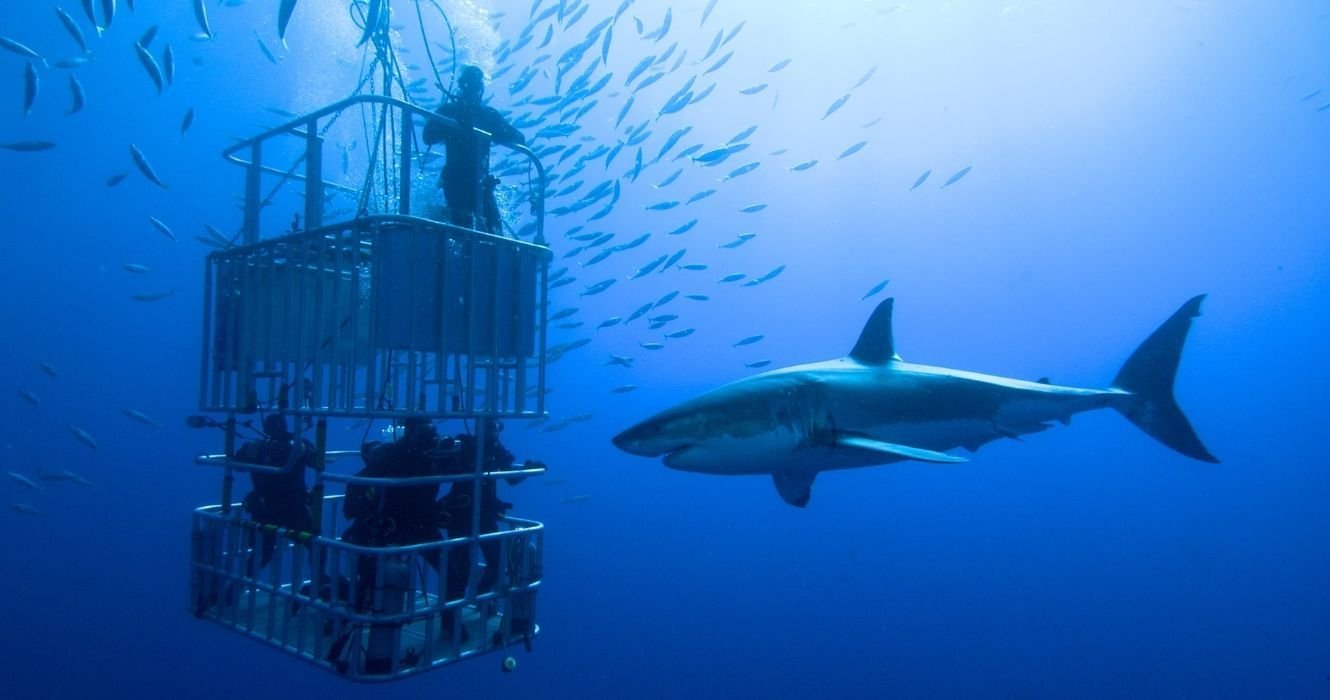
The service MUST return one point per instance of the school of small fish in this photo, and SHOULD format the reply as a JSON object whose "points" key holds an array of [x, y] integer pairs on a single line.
{"points": [[561, 66]]}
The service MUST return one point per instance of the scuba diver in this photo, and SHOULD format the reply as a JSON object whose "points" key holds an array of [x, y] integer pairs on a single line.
{"points": [[457, 508], [398, 515], [468, 188], [280, 499]]}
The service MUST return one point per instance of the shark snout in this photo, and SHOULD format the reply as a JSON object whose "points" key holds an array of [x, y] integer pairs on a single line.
{"points": [[646, 439]]}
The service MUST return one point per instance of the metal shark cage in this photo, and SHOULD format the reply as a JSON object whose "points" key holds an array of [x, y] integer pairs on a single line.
{"points": [[373, 311]]}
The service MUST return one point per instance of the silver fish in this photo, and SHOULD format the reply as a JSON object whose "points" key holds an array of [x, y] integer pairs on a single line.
{"points": [[864, 79], [749, 340], [150, 65], [266, 52], [201, 16], [168, 65], [77, 92], [187, 121], [82, 436], [840, 102], [876, 288], [31, 85], [30, 397], [108, 11], [63, 475], [140, 417], [48, 369], [921, 179], [26, 509], [24, 481], [73, 28], [803, 166], [959, 174], [579, 498], [144, 166], [166, 230], [28, 146], [852, 150], [284, 18], [154, 296], [20, 49], [136, 268], [623, 389]]}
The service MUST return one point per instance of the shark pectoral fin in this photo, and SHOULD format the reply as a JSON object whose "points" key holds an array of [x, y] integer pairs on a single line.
{"points": [[898, 451], [795, 488]]}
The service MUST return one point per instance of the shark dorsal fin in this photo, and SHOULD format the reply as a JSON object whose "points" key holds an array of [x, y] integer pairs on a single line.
{"points": [[876, 346]]}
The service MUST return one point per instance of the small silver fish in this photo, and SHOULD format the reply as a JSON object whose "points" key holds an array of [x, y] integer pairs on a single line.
{"points": [[150, 65], [140, 417], [28, 146], [852, 150], [30, 397], [72, 27], [77, 93], [31, 86], [284, 18], [840, 102], [876, 288], [136, 268], [144, 166], [20, 49], [154, 296], [749, 340], [623, 389], [24, 481], [166, 230], [201, 16], [49, 369], [82, 436], [187, 121], [954, 178], [26, 509], [579, 498]]}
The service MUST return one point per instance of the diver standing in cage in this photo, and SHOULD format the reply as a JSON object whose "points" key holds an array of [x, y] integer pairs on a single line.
{"points": [[278, 499], [465, 179]]}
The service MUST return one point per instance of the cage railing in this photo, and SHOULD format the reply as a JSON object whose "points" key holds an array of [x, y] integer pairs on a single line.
{"points": [[367, 613]]}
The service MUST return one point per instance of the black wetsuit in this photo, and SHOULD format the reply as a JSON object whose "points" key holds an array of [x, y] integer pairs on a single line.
{"points": [[278, 499], [457, 509], [465, 175]]}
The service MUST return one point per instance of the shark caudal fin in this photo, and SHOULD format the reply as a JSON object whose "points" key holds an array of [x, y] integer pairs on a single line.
{"points": [[1148, 375]]}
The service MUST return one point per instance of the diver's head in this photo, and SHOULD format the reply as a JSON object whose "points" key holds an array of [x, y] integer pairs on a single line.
{"points": [[470, 84], [274, 426], [419, 433]]}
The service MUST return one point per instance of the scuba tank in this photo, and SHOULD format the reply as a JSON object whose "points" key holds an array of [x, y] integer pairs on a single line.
{"points": [[394, 584]]}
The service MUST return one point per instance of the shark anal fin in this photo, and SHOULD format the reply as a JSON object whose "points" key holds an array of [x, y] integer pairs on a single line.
{"points": [[887, 449], [795, 488]]}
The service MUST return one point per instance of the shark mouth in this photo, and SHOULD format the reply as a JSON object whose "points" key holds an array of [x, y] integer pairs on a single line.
{"points": [[671, 457]]}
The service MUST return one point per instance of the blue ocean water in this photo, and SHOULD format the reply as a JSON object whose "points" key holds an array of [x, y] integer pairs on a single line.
{"points": [[1121, 158]]}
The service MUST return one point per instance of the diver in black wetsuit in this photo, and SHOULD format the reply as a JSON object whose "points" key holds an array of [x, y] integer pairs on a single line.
{"points": [[281, 499], [465, 176], [398, 515]]}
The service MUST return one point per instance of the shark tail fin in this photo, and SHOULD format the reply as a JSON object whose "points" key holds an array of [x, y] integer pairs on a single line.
{"points": [[1148, 376]]}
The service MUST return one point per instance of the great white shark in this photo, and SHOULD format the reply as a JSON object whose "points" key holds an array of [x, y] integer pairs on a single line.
{"points": [[871, 407]]}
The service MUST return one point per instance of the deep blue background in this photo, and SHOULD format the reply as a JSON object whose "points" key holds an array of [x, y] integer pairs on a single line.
{"points": [[1125, 157]]}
